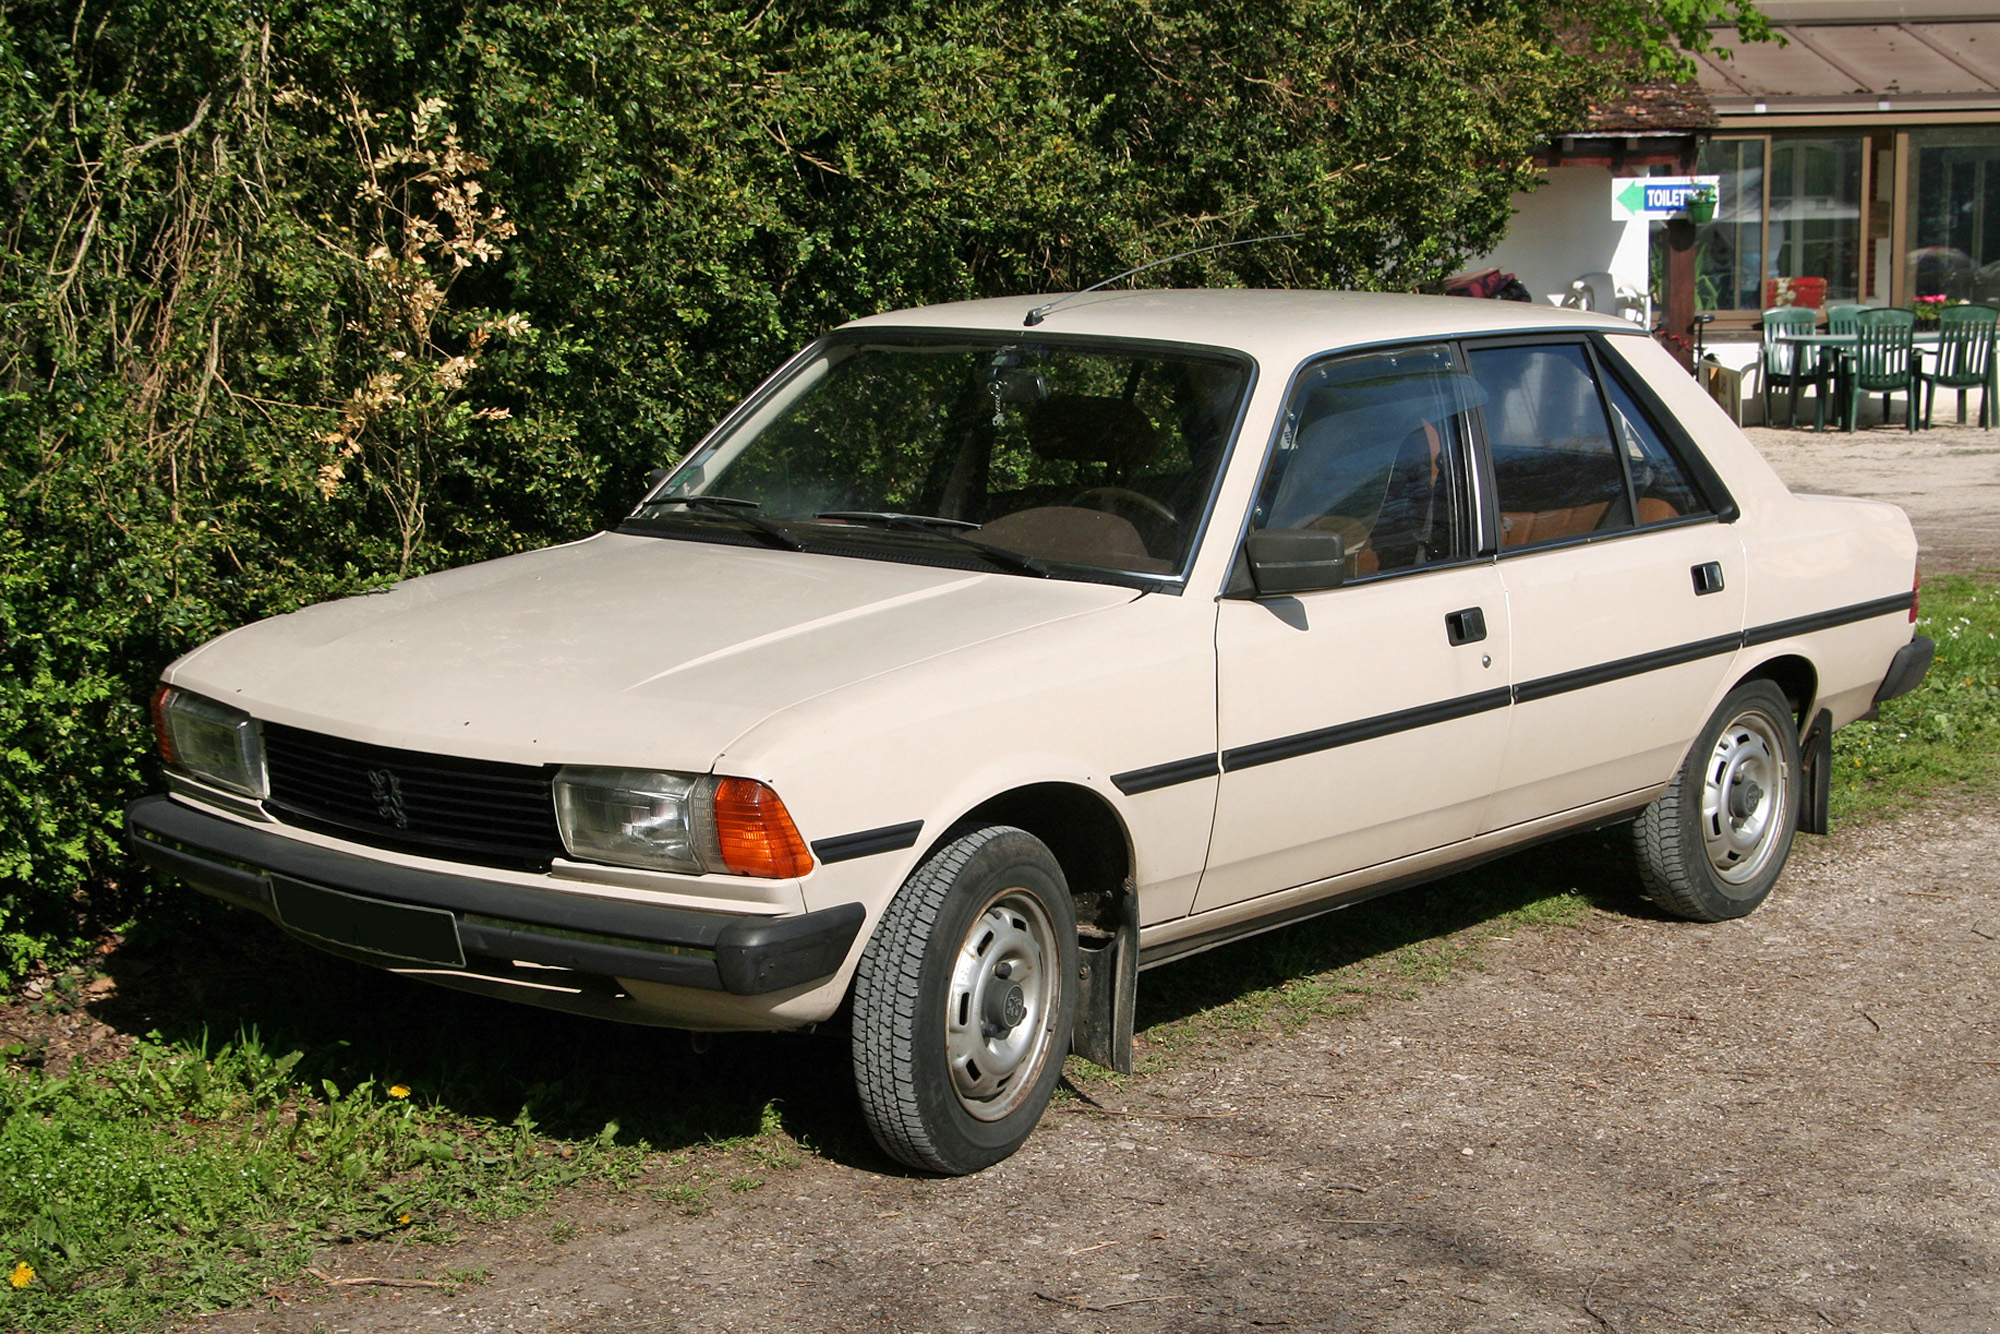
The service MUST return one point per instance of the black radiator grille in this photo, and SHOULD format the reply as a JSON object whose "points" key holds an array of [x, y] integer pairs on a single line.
{"points": [[468, 810]]}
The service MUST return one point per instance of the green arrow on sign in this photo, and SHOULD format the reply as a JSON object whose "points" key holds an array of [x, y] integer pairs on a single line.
{"points": [[1633, 198]]}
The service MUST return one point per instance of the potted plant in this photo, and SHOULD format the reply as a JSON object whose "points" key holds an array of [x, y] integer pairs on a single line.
{"points": [[1701, 204], [1926, 308]]}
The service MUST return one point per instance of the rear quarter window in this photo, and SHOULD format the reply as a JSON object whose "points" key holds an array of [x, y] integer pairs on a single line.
{"points": [[1556, 470]]}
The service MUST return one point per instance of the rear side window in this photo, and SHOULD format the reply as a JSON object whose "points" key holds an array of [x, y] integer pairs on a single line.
{"points": [[1659, 483], [1556, 470], [1373, 448]]}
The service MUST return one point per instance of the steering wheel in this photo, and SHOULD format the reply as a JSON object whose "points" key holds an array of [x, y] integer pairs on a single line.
{"points": [[1112, 499]]}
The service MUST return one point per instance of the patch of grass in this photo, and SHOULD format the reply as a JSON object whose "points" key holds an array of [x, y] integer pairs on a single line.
{"points": [[186, 1176], [182, 1177], [1942, 737]]}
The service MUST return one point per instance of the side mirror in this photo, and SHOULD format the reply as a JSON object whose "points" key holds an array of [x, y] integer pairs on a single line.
{"points": [[656, 476], [1295, 560]]}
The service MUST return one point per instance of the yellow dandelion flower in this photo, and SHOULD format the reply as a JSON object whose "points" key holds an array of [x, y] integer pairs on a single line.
{"points": [[399, 1090], [23, 1275], [402, 1218]]}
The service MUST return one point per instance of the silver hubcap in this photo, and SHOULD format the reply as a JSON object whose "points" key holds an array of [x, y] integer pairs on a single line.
{"points": [[1004, 992], [1743, 794]]}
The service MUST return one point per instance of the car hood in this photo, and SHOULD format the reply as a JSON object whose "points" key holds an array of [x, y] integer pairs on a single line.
{"points": [[617, 650]]}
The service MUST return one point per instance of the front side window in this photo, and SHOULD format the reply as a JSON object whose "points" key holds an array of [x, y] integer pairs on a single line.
{"points": [[1077, 459], [1372, 448], [1556, 472]]}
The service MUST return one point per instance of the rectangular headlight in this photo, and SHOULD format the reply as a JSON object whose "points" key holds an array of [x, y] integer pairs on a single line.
{"points": [[637, 817], [210, 742]]}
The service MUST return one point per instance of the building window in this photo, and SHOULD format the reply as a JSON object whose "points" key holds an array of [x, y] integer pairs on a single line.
{"points": [[1729, 252], [1789, 207], [1815, 212], [1955, 214]]}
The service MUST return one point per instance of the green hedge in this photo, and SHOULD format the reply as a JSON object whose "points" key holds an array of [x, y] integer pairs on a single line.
{"points": [[301, 297]]}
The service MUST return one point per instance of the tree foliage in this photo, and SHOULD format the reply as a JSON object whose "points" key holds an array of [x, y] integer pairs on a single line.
{"points": [[302, 297]]}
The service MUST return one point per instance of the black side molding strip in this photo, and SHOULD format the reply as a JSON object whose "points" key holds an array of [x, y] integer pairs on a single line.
{"points": [[1564, 682], [1134, 781], [1365, 729], [1826, 620], [889, 838]]}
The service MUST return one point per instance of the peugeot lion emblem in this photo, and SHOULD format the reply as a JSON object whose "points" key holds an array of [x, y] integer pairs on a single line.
{"points": [[388, 797]]}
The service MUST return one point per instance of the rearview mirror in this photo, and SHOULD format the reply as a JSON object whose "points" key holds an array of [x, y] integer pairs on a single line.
{"points": [[1295, 560]]}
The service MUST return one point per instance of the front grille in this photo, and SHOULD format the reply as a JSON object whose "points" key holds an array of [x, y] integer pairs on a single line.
{"points": [[468, 810]]}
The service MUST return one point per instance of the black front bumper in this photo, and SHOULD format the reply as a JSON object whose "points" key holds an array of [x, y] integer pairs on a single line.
{"points": [[746, 956]]}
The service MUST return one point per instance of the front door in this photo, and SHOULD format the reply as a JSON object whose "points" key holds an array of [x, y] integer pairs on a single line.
{"points": [[1364, 722]]}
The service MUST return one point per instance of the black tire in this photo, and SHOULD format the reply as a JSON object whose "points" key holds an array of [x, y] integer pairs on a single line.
{"points": [[1712, 845], [963, 1002]]}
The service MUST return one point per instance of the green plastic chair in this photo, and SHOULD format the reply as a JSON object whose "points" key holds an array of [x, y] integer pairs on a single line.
{"points": [[1964, 360], [1884, 362], [1841, 320], [1789, 365]]}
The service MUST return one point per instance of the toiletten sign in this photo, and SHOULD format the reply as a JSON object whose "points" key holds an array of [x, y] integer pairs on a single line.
{"points": [[1654, 197]]}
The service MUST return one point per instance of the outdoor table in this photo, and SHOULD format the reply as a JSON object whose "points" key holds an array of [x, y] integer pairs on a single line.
{"points": [[1842, 348]]}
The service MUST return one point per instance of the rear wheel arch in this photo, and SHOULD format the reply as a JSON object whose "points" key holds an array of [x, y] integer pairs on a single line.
{"points": [[1794, 675]]}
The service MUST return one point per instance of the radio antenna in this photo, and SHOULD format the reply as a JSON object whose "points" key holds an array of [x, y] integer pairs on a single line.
{"points": [[1040, 313]]}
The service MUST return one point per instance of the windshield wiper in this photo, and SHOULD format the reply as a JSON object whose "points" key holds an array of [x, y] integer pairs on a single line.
{"points": [[736, 509], [952, 530]]}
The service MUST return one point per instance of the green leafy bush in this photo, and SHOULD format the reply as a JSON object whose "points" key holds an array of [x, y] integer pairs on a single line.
{"points": [[299, 298]]}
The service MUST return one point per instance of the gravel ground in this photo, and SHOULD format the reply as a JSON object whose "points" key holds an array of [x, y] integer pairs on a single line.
{"points": [[1627, 1123]]}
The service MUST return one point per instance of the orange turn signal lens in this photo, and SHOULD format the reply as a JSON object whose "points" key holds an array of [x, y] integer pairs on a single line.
{"points": [[754, 832], [161, 732]]}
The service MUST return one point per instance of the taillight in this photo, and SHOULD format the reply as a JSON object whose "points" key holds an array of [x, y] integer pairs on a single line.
{"points": [[754, 832]]}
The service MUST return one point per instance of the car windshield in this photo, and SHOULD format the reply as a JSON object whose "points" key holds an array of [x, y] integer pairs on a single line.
{"points": [[1074, 459]]}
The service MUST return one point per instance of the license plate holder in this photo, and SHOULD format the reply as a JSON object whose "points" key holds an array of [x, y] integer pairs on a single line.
{"points": [[393, 931]]}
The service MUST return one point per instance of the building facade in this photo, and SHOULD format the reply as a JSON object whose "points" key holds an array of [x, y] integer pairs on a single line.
{"points": [[1863, 152]]}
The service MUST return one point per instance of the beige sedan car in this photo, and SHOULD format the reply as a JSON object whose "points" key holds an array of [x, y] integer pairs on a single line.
{"points": [[991, 653]]}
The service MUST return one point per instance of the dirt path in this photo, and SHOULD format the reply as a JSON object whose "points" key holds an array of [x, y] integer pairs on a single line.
{"points": [[1784, 1123], [1629, 1123]]}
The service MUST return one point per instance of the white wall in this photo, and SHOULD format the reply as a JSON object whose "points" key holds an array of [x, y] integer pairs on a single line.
{"points": [[1565, 230]]}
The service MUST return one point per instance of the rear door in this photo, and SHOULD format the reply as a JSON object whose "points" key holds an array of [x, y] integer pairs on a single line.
{"points": [[1364, 722], [1624, 590]]}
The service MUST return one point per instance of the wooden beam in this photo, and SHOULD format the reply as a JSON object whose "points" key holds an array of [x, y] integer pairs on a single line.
{"points": [[1678, 331]]}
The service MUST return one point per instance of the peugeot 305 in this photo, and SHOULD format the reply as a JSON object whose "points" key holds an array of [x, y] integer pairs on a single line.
{"points": [[991, 653]]}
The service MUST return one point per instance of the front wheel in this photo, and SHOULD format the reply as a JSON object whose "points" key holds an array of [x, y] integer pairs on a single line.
{"points": [[1711, 846], [963, 1002]]}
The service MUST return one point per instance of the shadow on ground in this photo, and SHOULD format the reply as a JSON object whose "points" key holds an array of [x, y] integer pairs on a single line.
{"points": [[216, 973]]}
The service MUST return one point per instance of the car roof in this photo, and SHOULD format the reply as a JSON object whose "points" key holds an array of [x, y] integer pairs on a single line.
{"points": [[1273, 326]]}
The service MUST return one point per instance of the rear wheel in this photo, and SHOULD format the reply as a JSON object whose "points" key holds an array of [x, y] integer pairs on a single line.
{"points": [[1712, 845], [963, 1002]]}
